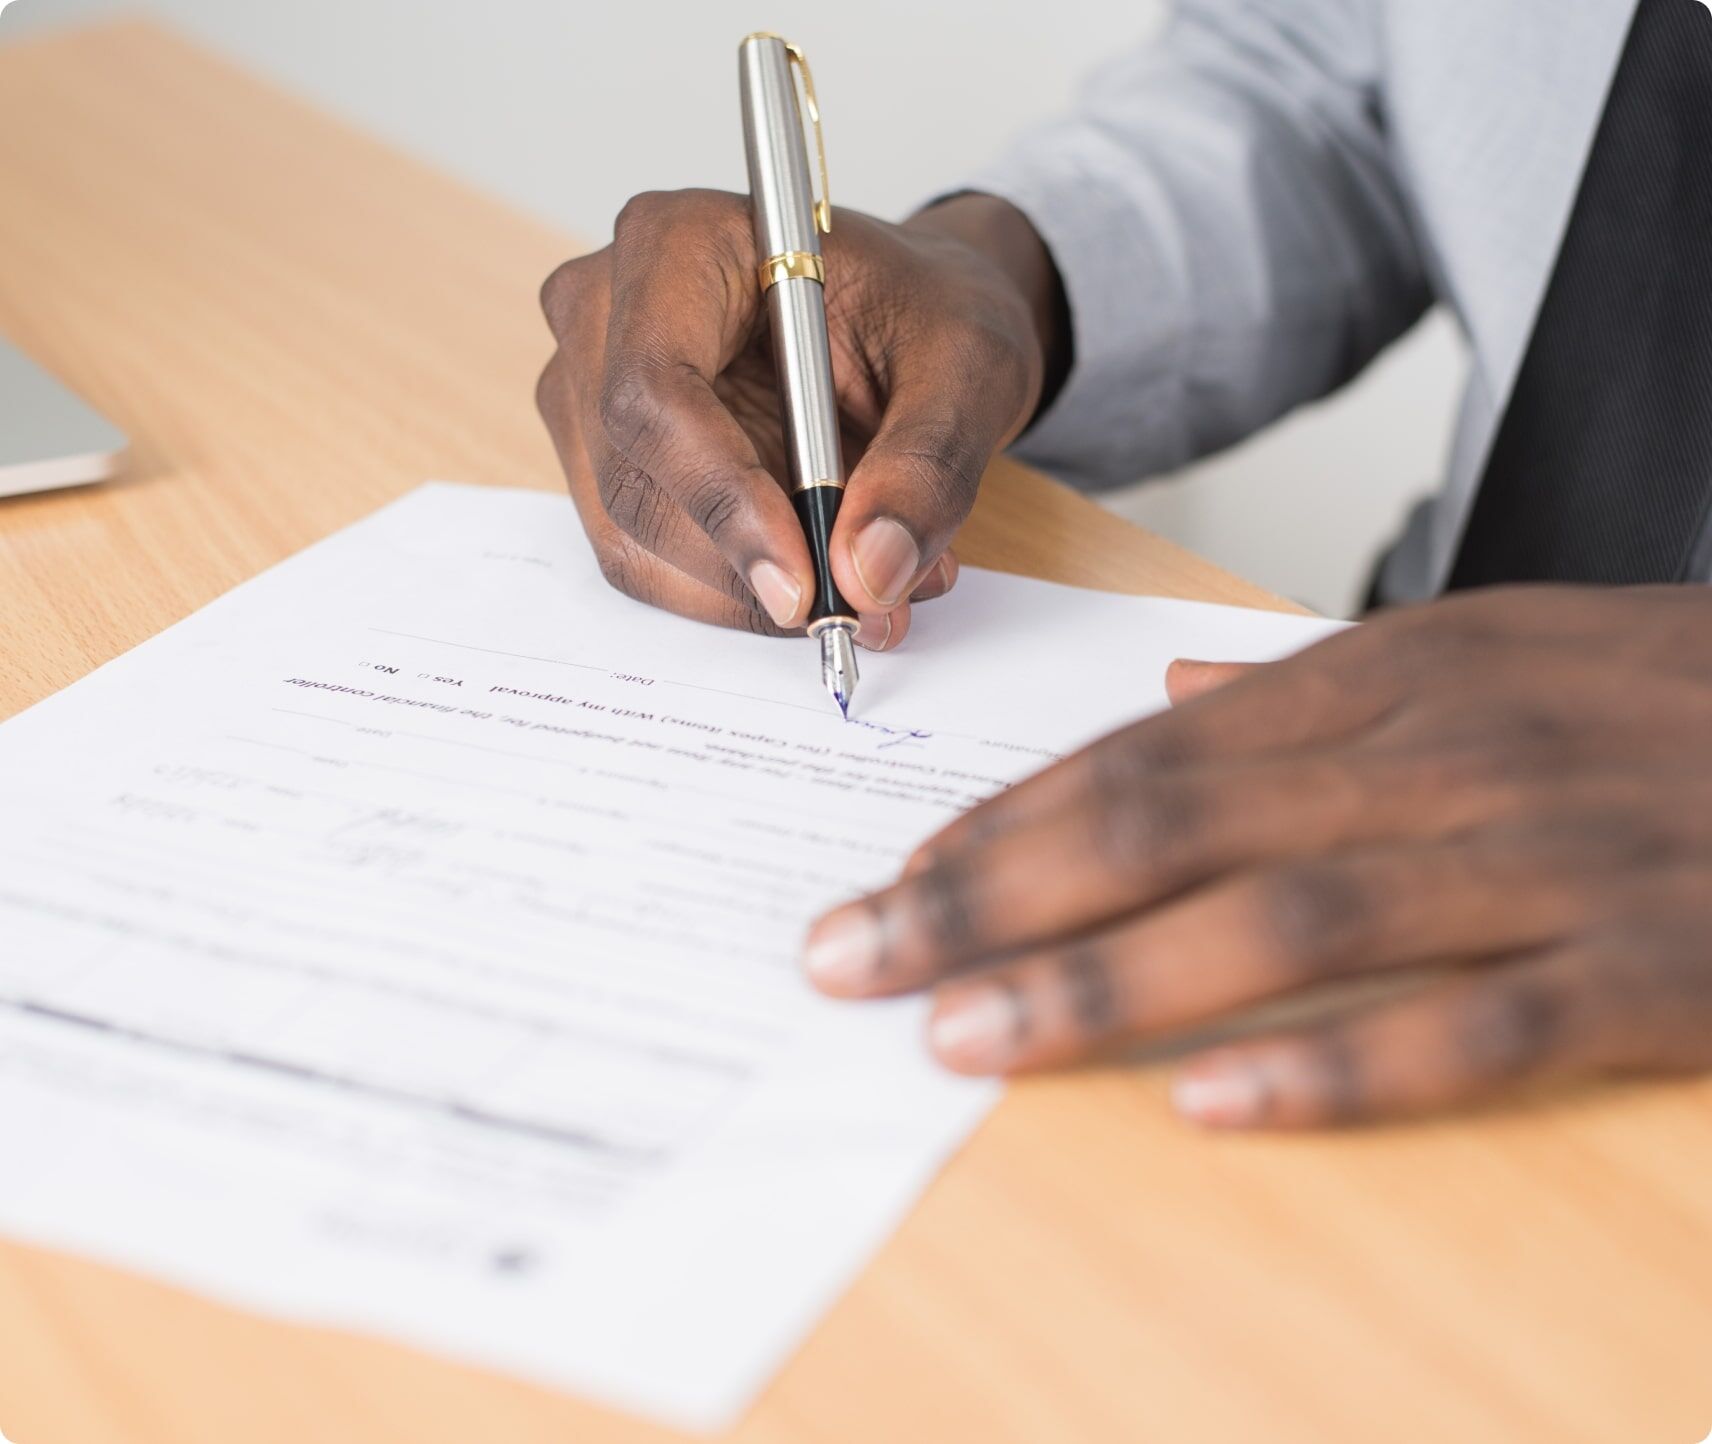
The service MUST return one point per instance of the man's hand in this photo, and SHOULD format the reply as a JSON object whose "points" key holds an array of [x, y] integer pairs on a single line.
{"points": [[662, 401], [1517, 784]]}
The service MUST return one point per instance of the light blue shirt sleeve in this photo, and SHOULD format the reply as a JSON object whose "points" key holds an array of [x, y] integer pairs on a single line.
{"points": [[1225, 212]]}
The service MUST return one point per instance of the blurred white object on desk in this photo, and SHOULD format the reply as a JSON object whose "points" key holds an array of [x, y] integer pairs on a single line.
{"points": [[48, 437]]}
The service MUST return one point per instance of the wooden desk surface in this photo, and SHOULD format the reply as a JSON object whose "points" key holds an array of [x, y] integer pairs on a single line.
{"points": [[297, 325]]}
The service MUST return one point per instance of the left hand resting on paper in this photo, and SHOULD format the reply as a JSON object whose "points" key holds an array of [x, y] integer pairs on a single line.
{"points": [[1517, 784]]}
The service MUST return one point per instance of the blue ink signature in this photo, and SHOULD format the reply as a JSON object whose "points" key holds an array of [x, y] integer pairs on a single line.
{"points": [[896, 736]]}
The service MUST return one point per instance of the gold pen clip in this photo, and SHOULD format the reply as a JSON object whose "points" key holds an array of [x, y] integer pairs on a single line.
{"points": [[823, 206]]}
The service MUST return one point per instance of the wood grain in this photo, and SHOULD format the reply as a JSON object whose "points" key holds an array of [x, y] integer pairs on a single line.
{"points": [[297, 325]]}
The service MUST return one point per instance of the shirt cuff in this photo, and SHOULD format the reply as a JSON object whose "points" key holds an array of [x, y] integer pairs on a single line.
{"points": [[1120, 413]]}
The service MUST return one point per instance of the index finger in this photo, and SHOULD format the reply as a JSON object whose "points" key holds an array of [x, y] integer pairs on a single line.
{"points": [[684, 305], [1299, 702], [953, 403]]}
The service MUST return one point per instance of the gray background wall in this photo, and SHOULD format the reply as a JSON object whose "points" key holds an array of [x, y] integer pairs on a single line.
{"points": [[566, 107]]}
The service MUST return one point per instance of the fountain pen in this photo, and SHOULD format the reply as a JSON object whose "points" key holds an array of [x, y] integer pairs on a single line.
{"points": [[789, 223]]}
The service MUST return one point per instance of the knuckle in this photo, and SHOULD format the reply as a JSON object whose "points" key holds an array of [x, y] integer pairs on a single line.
{"points": [[556, 403], [1509, 1029], [1429, 640], [1600, 843], [945, 907], [1319, 916], [1519, 740], [713, 225], [633, 502], [1139, 814], [1154, 830], [1489, 745], [1632, 839], [631, 407], [713, 502], [984, 825], [1139, 755], [1091, 990], [570, 296], [561, 285], [1341, 1092], [548, 391], [641, 213]]}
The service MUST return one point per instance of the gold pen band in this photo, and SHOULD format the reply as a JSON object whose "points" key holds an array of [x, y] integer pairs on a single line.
{"points": [[792, 266], [811, 485]]}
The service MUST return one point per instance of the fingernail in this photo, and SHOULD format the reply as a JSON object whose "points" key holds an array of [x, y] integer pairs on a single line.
{"points": [[1224, 1096], [886, 557], [874, 633], [1185, 668], [942, 574], [779, 593], [975, 1031], [843, 951]]}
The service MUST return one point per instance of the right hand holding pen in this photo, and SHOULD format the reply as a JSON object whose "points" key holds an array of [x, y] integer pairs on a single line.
{"points": [[661, 401]]}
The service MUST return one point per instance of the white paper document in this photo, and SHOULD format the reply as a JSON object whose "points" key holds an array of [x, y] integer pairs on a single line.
{"points": [[407, 942]]}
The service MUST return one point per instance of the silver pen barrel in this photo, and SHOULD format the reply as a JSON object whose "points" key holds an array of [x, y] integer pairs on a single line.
{"points": [[789, 223]]}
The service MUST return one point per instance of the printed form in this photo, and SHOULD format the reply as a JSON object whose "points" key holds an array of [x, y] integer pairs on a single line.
{"points": [[407, 942]]}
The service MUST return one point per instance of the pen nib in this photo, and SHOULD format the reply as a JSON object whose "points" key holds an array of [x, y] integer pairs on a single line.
{"points": [[838, 665]]}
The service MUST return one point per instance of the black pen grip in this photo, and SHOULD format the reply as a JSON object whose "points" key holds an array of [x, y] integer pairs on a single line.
{"points": [[817, 510]]}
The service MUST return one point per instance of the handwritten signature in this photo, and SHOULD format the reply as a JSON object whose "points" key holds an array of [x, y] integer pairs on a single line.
{"points": [[895, 736]]}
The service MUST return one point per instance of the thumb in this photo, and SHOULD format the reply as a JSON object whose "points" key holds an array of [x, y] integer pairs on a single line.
{"points": [[916, 483]]}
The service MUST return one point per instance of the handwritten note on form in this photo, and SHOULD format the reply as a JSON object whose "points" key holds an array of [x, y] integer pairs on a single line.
{"points": [[407, 942]]}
